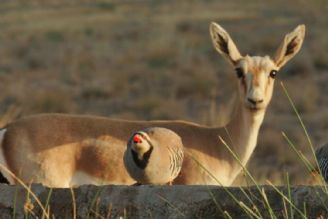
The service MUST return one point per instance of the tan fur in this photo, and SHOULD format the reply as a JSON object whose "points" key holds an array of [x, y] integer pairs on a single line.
{"points": [[52, 148]]}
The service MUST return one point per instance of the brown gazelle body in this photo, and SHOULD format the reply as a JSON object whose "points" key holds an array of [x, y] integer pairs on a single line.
{"points": [[65, 150]]}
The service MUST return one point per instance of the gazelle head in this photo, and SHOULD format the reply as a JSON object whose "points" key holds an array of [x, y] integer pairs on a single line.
{"points": [[255, 73]]}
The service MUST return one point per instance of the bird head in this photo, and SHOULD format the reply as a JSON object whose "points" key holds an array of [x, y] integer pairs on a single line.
{"points": [[140, 143]]}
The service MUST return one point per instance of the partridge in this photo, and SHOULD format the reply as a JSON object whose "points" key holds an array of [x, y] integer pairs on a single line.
{"points": [[154, 156], [321, 154]]}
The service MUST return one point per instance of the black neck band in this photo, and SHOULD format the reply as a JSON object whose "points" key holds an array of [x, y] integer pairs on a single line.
{"points": [[145, 158]]}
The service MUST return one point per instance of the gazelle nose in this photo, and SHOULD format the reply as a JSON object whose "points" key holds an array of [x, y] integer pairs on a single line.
{"points": [[254, 102]]}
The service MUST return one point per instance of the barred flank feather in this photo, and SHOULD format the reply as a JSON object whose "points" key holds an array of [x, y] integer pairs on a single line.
{"points": [[176, 158], [321, 154], [323, 165]]}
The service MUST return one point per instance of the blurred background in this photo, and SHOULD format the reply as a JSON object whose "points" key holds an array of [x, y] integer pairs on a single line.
{"points": [[155, 60]]}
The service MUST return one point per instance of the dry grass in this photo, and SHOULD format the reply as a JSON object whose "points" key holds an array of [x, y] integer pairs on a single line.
{"points": [[154, 60]]}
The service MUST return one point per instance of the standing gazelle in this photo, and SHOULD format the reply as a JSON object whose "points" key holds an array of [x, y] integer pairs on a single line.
{"points": [[64, 150]]}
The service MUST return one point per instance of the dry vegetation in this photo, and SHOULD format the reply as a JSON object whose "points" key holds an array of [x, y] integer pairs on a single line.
{"points": [[154, 60]]}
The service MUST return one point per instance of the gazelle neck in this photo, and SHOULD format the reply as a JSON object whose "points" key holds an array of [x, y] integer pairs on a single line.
{"points": [[242, 132]]}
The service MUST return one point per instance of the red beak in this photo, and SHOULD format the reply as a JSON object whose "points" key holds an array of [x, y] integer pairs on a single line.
{"points": [[137, 139]]}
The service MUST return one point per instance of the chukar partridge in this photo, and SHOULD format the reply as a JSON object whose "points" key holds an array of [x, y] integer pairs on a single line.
{"points": [[154, 156], [321, 154]]}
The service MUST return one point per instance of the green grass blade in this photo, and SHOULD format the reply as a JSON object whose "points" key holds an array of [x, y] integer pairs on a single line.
{"points": [[298, 115], [28, 189], [171, 205], [214, 199], [287, 199], [304, 130], [15, 200], [251, 201], [268, 204], [268, 207], [228, 216], [73, 203], [300, 155], [225, 188], [94, 201], [47, 203]]}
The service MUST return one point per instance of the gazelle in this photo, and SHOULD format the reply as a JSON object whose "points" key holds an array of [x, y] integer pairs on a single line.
{"points": [[63, 150]]}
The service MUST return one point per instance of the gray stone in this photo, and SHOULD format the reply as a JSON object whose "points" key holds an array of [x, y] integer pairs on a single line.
{"points": [[162, 201]]}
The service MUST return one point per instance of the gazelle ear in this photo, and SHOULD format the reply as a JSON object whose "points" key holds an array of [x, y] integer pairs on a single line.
{"points": [[223, 43], [290, 46]]}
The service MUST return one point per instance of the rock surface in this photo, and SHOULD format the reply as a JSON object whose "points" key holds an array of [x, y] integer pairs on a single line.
{"points": [[161, 201]]}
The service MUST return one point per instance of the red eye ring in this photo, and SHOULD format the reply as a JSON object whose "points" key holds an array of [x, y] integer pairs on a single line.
{"points": [[137, 138]]}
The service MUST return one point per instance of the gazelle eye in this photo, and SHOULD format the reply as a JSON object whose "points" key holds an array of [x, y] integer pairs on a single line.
{"points": [[240, 73], [273, 73]]}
